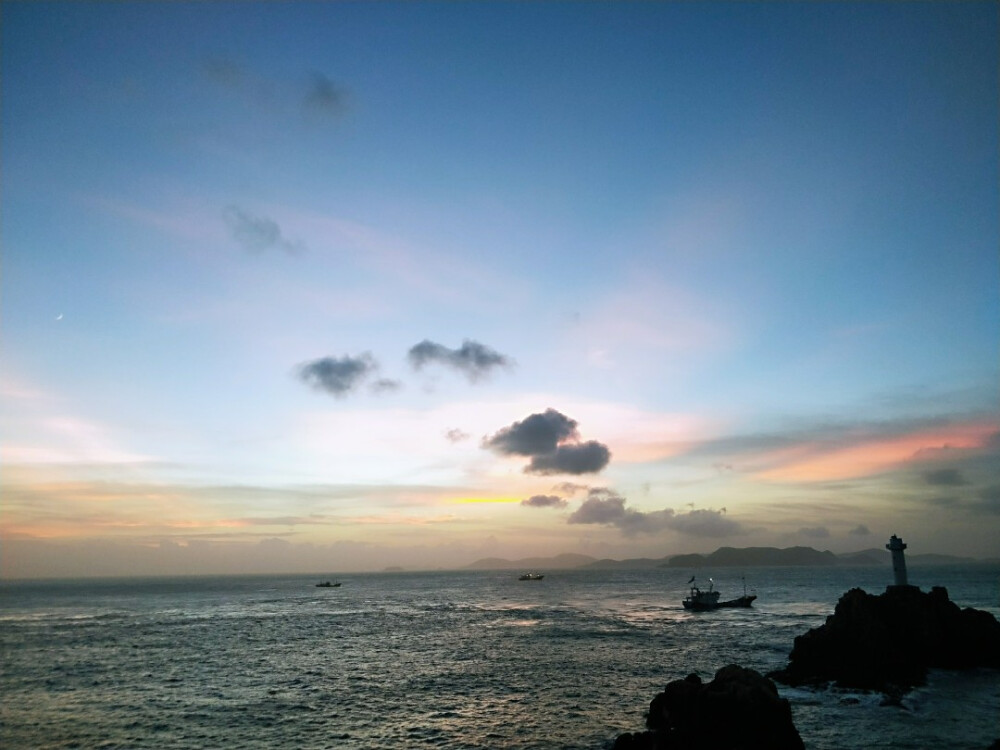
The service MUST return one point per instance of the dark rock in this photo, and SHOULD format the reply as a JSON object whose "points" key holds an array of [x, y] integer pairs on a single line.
{"points": [[887, 642], [739, 710]]}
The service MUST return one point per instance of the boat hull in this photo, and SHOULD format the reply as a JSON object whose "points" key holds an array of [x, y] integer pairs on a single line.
{"points": [[696, 606]]}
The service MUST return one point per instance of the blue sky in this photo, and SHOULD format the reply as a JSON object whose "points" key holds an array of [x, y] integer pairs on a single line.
{"points": [[277, 276]]}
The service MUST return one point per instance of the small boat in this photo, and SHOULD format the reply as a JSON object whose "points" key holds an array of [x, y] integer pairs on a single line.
{"points": [[327, 585], [700, 601], [531, 577]]}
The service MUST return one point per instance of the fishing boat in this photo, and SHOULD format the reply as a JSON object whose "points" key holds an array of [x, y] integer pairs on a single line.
{"points": [[327, 585], [699, 600], [531, 577]]}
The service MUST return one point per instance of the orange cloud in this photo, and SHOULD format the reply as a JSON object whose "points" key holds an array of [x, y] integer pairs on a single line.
{"points": [[817, 463]]}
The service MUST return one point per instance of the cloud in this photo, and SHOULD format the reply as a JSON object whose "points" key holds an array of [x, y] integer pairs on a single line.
{"points": [[600, 507], [706, 523], [385, 385], [544, 501], [604, 507], [944, 478], [815, 532], [860, 530], [585, 458], [257, 234], [324, 96], [989, 500], [473, 359], [456, 435], [337, 377], [535, 435], [551, 440], [569, 488], [825, 451], [319, 96]]}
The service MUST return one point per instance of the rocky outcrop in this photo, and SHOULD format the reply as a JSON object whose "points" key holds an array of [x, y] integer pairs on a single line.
{"points": [[740, 708], [887, 642]]}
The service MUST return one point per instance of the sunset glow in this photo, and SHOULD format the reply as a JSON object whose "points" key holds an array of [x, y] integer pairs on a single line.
{"points": [[814, 464], [341, 286]]}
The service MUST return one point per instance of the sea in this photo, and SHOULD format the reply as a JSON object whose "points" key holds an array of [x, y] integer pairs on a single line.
{"points": [[464, 660]]}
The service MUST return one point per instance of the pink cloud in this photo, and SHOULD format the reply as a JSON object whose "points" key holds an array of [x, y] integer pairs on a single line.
{"points": [[811, 462]]}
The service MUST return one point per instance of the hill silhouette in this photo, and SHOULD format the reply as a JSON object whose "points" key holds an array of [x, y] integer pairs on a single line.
{"points": [[722, 557]]}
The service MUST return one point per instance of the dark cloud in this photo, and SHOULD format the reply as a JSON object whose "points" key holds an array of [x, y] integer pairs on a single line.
{"points": [[456, 435], [473, 359], [536, 435], [815, 532], [551, 440], [944, 478], [585, 458], [324, 96], [337, 377], [607, 508], [544, 501], [258, 234], [860, 530]]}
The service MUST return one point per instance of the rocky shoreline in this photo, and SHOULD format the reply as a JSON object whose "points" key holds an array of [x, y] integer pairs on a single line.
{"points": [[740, 708], [884, 642], [887, 642]]}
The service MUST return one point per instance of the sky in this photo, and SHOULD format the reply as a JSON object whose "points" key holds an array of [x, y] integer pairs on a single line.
{"points": [[296, 287]]}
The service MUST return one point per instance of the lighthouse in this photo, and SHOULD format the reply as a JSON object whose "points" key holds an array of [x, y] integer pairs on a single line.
{"points": [[896, 547]]}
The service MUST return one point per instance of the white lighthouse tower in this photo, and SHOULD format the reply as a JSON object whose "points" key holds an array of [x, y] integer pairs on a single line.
{"points": [[896, 546]]}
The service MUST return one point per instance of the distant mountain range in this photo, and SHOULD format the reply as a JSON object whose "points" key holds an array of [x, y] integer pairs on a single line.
{"points": [[722, 557], [755, 556]]}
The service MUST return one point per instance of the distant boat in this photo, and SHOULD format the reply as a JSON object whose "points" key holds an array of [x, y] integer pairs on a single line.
{"points": [[699, 600], [327, 585], [531, 577]]}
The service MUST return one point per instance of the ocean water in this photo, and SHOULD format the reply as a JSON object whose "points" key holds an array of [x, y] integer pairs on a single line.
{"points": [[457, 660]]}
